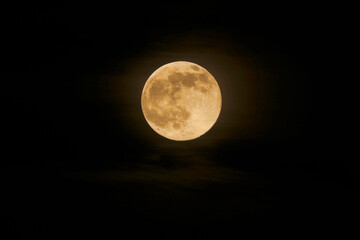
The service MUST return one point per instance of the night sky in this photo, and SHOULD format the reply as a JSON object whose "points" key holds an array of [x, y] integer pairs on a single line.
{"points": [[79, 157]]}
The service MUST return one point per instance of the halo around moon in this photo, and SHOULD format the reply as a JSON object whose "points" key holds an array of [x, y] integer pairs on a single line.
{"points": [[181, 101]]}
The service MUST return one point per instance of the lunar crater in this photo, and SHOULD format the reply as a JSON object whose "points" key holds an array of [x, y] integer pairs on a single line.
{"points": [[194, 67]]}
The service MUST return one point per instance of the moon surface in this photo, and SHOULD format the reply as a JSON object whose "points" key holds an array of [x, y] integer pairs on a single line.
{"points": [[181, 101]]}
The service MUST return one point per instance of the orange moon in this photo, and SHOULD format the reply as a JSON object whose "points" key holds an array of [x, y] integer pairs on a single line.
{"points": [[181, 101]]}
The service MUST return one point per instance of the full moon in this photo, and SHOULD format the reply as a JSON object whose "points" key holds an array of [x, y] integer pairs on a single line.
{"points": [[181, 101]]}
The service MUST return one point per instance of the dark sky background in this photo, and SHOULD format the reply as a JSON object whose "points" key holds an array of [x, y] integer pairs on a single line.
{"points": [[78, 155]]}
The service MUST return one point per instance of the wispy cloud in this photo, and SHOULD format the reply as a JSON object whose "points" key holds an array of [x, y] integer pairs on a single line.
{"points": [[185, 170], [186, 184]]}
